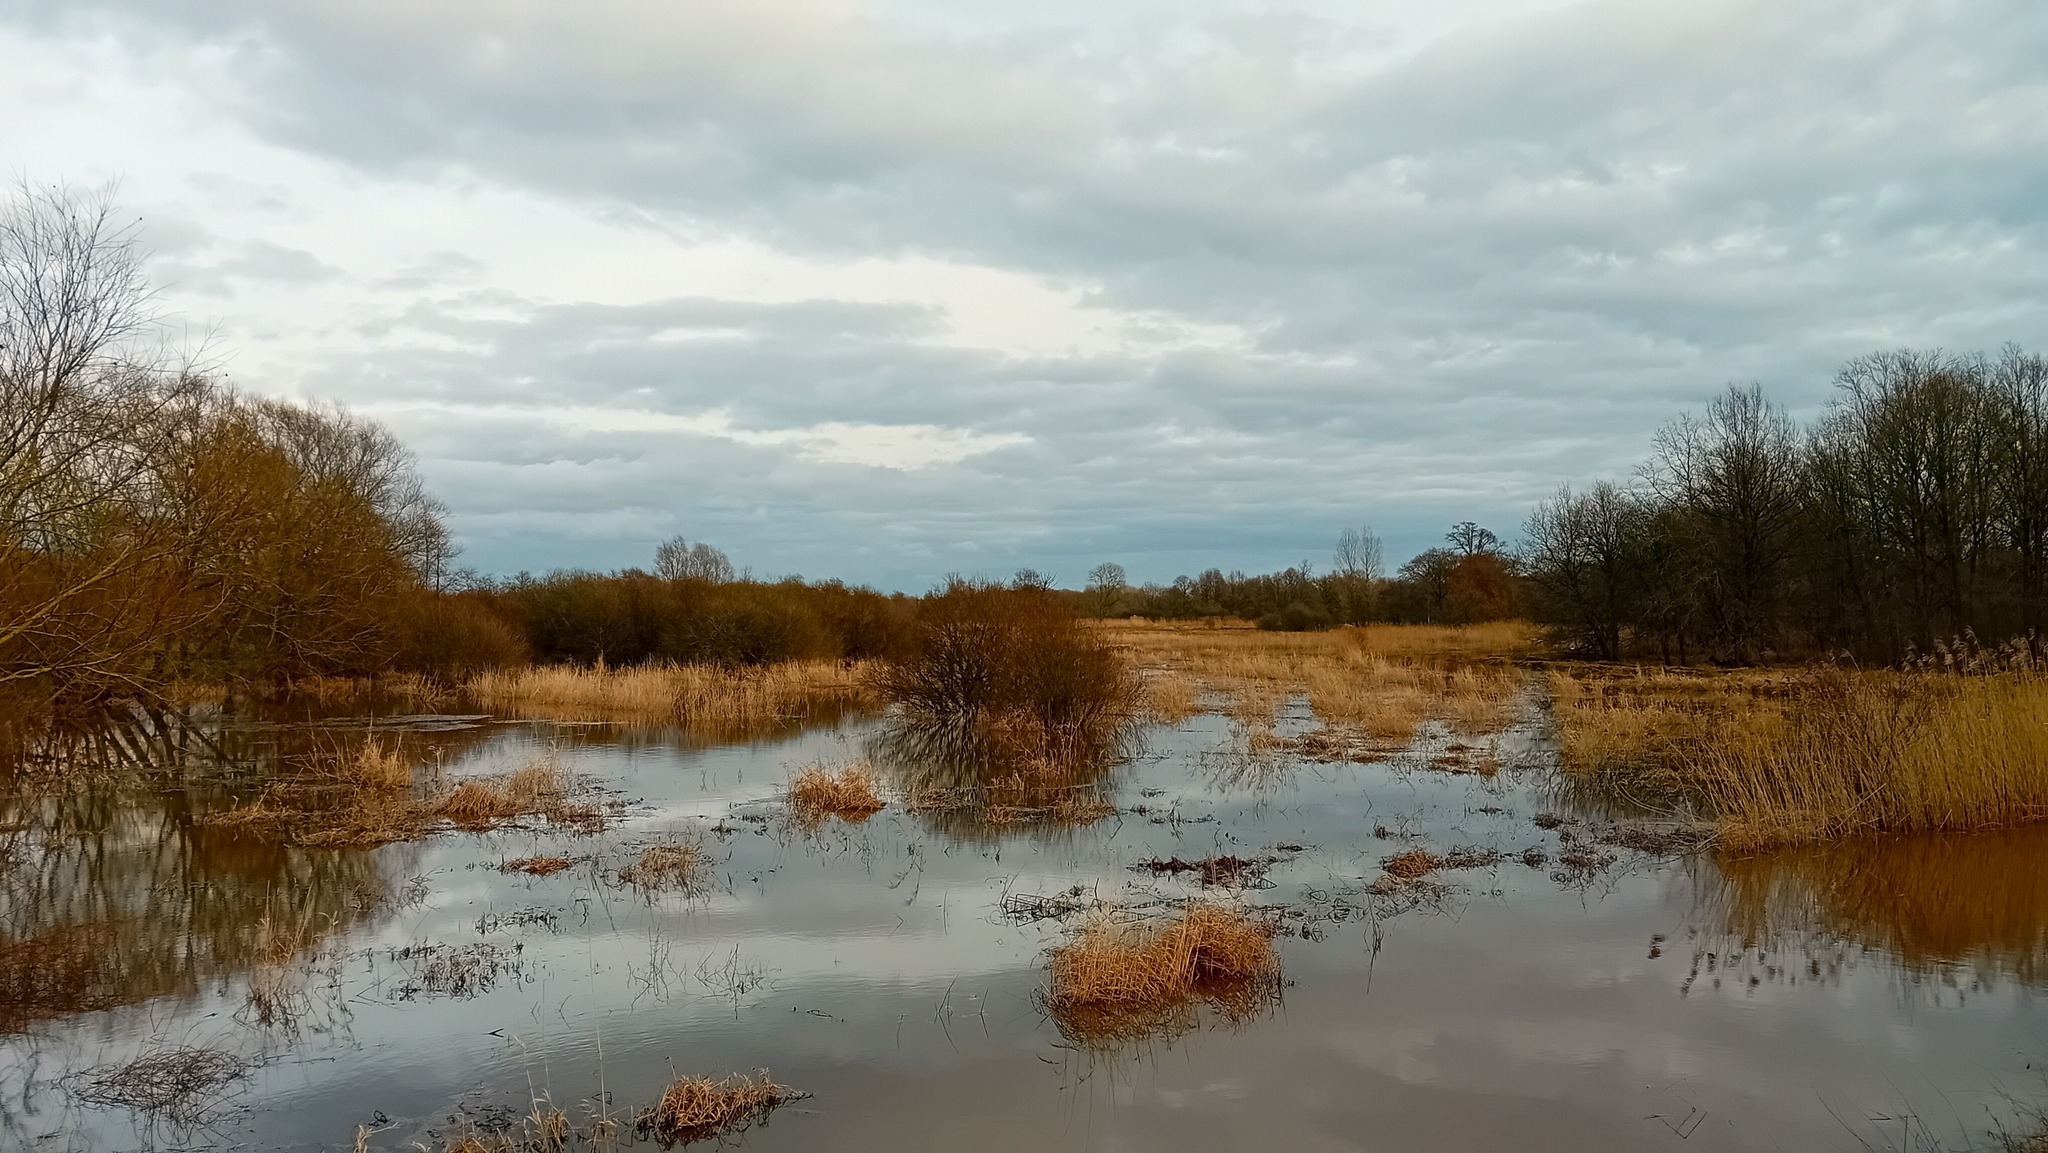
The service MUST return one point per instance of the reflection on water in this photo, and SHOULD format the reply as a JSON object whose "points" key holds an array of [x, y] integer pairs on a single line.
{"points": [[873, 963], [1975, 901]]}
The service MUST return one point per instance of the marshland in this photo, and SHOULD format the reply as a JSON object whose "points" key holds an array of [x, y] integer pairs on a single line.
{"points": [[1708, 812]]}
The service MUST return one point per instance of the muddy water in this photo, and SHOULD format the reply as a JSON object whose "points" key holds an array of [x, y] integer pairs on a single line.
{"points": [[1864, 996]]}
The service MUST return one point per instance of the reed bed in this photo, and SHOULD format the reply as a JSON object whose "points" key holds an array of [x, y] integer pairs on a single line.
{"points": [[851, 793], [361, 803], [722, 703], [1119, 978], [696, 1108], [1782, 758]]}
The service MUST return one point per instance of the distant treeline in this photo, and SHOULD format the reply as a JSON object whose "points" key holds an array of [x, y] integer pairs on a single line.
{"points": [[1913, 510], [1468, 581]]}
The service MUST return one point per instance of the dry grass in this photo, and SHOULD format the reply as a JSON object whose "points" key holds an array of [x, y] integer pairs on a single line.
{"points": [[851, 794], [183, 1084], [1376, 683], [1412, 864], [537, 866], [673, 866], [1884, 752], [374, 768], [1120, 978], [724, 704], [356, 803], [1795, 757], [695, 1108]]}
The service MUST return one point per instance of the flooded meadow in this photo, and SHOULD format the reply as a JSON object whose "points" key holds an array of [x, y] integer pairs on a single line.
{"points": [[1470, 954]]}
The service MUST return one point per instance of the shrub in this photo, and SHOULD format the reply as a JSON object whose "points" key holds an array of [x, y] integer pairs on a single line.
{"points": [[1014, 662], [1297, 617]]}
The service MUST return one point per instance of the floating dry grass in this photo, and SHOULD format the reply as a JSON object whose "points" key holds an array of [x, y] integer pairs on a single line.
{"points": [[545, 866], [1121, 977], [851, 793], [697, 1108], [183, 1084], [679, 865]]}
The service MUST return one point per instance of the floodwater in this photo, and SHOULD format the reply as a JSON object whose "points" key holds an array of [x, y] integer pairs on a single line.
{"points": [[1864, 996]]}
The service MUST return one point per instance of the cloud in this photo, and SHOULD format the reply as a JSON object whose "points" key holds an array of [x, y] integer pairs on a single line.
{"points": [[1185, 283]]}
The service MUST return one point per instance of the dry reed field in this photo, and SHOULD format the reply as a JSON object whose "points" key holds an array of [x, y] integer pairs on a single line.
{"points": [[716, 703], [1121, 977], [1375, 683], [1782, 758]]}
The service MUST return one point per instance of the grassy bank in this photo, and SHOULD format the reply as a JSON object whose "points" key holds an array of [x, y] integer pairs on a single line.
{"points": [[1781, 758]]}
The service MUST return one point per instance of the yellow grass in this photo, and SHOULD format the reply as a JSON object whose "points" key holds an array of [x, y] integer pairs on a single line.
{"points": [[850, 794], [722, 703], [1793, 757], [672, 866], [694, 1108], [478, 804], [372, 766], [1120, 977], [536, 866], [1379, 681], [358, 807]]}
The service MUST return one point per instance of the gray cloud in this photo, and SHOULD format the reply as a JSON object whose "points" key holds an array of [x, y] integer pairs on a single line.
{"points": [[1467, 263]]}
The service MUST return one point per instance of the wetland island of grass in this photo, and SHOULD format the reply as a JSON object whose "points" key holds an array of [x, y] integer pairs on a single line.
{"points": [[1704, 807]]}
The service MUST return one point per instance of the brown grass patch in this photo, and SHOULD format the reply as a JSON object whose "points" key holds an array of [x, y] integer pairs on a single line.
{"points": [[671, 866], [1412, 864], [716, 703], [1786, 758], [537, 866], [694, 1108], [851, 794], [1120, 978], [1373, 684]]}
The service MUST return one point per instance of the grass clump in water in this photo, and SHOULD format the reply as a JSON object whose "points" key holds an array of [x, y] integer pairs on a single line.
{"points": [[545, 866], [696, 1108], [851, 794], [672, 866], [1120, 979]]}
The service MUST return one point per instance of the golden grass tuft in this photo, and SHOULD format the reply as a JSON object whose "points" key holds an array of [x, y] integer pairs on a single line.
{"points": [[536, 866], [679, 865], [538, 787], [851, 793], [1413, 864], [695, 1108], [1119, 978], [375, 768]]}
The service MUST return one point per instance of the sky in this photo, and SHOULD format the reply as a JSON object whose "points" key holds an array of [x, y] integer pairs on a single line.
{"points": [[890, 291]]}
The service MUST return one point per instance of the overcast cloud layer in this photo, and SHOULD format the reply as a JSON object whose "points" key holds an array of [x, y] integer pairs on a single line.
{"points": [[893, 290]]}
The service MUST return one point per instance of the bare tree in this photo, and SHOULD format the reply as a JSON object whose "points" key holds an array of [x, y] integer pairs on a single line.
{"points": [[1108, 576], [1359, 554], [677, 559], [1584, 552], [1472, 540], [1733, 482]]}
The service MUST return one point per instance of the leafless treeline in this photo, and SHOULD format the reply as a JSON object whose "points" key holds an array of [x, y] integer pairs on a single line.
{"points": [[1914, 509], [153, 523]]}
